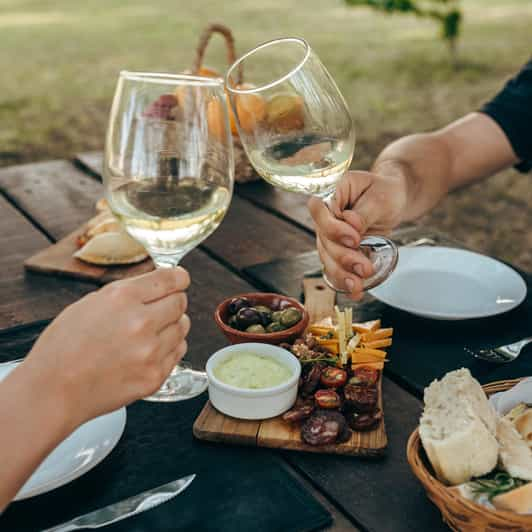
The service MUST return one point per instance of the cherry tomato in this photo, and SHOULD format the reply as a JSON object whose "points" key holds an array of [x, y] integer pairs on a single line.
{"points": [[327, 399], [367, 375], [333, 377]]}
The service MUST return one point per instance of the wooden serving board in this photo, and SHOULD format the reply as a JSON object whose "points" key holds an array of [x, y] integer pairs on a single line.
{"points": [[58, 259], [275, 433]]}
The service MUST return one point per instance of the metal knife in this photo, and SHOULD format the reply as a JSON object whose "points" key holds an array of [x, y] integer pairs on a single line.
{"points": [[126, 508]]}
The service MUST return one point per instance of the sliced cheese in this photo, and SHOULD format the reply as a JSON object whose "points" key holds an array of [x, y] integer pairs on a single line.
{"points": [[376, 353], [375, 344], [372, 365], [348, 317], [321, 331], [367, 326], [341, 335], [366, 359], [377, 335]]}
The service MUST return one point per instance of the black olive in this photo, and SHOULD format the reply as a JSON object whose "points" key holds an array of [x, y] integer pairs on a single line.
{"points": [[237, 303], [248, 316]]}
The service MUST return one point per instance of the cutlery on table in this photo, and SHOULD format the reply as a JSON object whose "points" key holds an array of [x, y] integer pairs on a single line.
{"points": [[126, 508], [502, 354]]}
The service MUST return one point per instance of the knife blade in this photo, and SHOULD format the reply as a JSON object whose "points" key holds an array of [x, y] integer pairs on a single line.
{"points": [[126, 508]]}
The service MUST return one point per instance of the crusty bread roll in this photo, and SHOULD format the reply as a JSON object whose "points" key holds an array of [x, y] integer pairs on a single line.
{"points": [[515, 456], [523, 424], [458, 427], [518, 500]]}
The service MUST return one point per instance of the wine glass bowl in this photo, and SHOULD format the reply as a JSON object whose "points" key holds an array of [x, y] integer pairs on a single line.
{"points": [[293, 121], [297, 130], [168, 173]]}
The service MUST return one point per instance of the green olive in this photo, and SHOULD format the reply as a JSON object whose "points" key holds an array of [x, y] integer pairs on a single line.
{"points": [[290, 316], [265, 314], [275, 326], [256, 329], [276, 316]]}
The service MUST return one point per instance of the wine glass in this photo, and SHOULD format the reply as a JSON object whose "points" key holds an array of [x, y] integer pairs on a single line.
{"points": [[297, 130], [168, 174]]}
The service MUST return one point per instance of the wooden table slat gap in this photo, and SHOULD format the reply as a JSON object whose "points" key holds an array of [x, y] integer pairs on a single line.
{"points": [[12, 201]]}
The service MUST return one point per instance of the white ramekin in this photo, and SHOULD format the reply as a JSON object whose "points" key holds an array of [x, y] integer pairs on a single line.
{"points": [[253, 404]]}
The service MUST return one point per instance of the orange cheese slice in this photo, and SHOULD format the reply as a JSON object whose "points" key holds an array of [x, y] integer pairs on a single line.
{"points": [[375, 344], [379, 334], [367, 326]]}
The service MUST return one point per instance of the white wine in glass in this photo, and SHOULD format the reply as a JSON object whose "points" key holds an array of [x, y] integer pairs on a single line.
{"points": [[297, 130], [168, 174]]}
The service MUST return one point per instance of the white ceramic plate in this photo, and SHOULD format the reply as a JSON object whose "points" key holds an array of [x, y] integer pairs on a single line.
{"points": [[86, 447], [451, 284]]}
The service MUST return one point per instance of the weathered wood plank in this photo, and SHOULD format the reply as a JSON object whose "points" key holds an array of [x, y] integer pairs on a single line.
{"points": [[57, 196], [28, 298]]}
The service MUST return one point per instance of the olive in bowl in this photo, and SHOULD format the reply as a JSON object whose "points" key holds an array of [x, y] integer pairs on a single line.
{"points": [[261, 317]]}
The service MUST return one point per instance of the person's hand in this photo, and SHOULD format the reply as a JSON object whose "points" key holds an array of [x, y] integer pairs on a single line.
{"points": [[115, 345], [364, 203]]}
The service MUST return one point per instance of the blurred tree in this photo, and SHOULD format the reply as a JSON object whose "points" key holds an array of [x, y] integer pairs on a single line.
{"points": [[446, 12]]}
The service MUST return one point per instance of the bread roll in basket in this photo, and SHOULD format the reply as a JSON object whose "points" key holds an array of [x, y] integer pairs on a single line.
{"points": [[458, 512]]}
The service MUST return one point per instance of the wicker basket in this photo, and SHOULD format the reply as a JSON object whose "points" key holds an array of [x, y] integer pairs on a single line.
{"points": [[244, 172], [459, 513]]}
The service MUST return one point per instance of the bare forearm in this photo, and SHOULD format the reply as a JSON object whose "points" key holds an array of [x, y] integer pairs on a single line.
{"points": [[33, 421], [432, 164], [422, 164]]}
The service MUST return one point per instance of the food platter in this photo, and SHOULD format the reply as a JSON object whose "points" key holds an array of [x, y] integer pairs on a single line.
{"points": [[339, 409]]}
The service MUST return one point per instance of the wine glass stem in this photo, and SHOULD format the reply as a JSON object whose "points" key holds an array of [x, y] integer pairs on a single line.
{"points": [[166, 261]]}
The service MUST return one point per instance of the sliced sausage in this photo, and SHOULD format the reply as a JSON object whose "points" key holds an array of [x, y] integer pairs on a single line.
{"points": [[366, 375], [323, 427], [311, 380], [363, 422], [300, 411], [360, 397]]}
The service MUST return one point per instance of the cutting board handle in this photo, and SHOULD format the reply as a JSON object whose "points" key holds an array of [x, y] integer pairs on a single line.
{"points": [[319, 299]]}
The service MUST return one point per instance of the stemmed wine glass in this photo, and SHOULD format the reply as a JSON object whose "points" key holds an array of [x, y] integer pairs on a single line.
{"points": [[168, 174], [297, 130]]}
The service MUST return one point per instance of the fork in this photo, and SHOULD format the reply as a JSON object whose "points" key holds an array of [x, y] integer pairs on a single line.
{"points": [[502, 354]]}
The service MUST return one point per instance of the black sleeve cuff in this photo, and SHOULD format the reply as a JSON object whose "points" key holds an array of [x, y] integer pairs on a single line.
{"points": [[504, 118]]}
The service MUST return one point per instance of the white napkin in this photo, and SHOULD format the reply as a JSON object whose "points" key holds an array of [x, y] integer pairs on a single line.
{"points": [[503, 402]]}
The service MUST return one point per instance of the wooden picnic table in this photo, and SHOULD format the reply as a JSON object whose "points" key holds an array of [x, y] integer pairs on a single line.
{"points": [[41, 203]]}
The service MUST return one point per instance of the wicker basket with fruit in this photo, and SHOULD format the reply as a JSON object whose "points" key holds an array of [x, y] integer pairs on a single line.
{"points": [[248, 107]]}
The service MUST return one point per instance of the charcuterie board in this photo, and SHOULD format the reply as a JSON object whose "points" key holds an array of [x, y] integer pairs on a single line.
{"points": [[276, 433]]}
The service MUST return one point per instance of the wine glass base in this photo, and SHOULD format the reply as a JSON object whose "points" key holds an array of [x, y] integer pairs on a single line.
{"points": [[382, 253], [183, 383]]}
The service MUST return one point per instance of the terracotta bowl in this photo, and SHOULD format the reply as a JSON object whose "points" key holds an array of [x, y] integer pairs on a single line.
{"points": [[221, 315]]}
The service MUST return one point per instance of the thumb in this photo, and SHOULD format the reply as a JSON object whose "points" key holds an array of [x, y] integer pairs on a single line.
{"points": [[364, 213], [349, 189]]}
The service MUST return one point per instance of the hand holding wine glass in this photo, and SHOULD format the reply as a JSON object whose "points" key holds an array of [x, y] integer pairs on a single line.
{"points": [[298, 134], [168, 174]]}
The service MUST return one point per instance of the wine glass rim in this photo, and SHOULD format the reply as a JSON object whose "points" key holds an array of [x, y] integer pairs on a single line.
{"points": [[177, 79], [267, 44]]}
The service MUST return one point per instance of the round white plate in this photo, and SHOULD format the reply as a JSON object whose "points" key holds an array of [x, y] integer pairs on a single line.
{"points": [[451, 284], [86, 447]]}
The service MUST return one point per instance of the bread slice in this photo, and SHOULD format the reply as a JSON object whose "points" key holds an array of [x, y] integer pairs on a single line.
{"points": [[515, 456], [518, 500], [523, 424], [457, 428], [461, 385]]}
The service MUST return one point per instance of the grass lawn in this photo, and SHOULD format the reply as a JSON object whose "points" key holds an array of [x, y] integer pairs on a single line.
{"points": [[60, 61]]}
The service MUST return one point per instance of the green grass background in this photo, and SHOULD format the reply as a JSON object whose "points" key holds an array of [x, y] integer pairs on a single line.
{"points": [[60, 59]]}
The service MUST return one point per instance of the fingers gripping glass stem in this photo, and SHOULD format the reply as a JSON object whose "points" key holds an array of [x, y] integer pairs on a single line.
{"points": [[381, 252]]}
